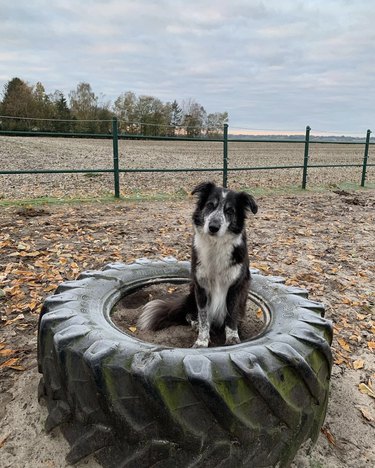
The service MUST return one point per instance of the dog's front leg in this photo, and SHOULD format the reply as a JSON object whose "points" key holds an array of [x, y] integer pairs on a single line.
{"points": [[203, 325], [231, 335], [236, 306], [204, 330]]}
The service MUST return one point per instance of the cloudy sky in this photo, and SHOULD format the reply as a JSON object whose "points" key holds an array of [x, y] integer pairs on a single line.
{"points": [[276, 65]]}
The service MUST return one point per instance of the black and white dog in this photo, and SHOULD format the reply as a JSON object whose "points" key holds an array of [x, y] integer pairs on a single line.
{"points": [[219, 268]]}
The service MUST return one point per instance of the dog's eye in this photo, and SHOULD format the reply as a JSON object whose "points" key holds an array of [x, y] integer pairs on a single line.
{"points": [[229, 211], [210, 205]]}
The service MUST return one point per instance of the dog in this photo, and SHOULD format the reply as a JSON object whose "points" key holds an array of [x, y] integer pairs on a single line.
{"points": [[220, 272]]}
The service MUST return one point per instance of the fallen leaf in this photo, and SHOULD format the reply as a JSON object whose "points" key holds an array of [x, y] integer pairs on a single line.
{"points": [[9, 363], [339, 360], [366, 413], [19, 317], [358, 364], [3, 439], [33, 305], [361, 273], [361, 316], [363, 388], [32, 254], [133, 329], [14, 254], [343, 344], [259, 313], [18, 368], [6, 352], [347, 301], [371, 344], [356, 338], [329, 435]]}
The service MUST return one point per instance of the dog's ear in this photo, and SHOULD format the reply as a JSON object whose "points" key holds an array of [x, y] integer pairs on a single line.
{"points": [[203, 189], [248, 202]]}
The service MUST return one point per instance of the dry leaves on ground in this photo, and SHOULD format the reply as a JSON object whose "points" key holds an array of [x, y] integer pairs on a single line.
{"points": [[321, 242]]}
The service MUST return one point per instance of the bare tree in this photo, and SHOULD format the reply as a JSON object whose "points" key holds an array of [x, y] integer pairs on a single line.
{"points": [[194, 117], [84, 105]]}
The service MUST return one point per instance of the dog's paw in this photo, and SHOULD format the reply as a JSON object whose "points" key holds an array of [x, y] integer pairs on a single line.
{"points": [[200, 344], [231, 336], [232, 341]]}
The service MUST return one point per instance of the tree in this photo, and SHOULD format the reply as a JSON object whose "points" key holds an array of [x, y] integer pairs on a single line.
{"points": [[124, 109], [215, 123], [104, 115], [83, 106], [176, 117], [194, 118], [152, 115], [61, 111], [40, 93], [17, 102], [143, 114], [143, 111], [42, 108]]}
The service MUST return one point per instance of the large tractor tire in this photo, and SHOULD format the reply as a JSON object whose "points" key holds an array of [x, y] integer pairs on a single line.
{"points": [[136, 404]]}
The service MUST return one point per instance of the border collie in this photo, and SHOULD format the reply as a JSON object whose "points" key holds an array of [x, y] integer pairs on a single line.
{"points": [[219, 268]]}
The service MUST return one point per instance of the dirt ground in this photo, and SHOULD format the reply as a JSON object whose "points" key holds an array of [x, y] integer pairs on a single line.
{"points": [[324, 242], [127, 311], [30, 153]]}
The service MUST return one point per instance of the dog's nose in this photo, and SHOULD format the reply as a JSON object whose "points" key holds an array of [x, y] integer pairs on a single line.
{"points": [[213, 228]]}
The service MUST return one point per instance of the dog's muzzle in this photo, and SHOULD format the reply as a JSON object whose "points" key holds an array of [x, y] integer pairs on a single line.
{"points": [[214, 226]]}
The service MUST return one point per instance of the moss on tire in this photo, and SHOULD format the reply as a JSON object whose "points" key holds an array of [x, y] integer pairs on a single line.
{"points": [[136, 403]]}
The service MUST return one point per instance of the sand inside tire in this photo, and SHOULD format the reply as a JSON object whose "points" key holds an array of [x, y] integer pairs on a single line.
{"points": [[126, 312]]}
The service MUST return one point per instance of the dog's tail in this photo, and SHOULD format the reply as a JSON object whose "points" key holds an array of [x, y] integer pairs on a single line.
{"points": [[159, 313]]}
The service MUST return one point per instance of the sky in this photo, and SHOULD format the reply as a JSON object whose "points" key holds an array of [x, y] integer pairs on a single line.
{"points": [[272, 65]]}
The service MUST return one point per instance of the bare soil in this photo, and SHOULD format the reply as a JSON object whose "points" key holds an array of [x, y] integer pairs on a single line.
{"points": [[31, 153], [128, 309], [324, 242]]}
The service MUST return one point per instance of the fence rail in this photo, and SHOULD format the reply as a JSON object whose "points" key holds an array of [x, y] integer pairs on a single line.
{"points": [[116, 170]]}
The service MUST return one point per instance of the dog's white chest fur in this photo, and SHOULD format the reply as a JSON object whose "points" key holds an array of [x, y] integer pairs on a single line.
{"points": [[215, 272]]}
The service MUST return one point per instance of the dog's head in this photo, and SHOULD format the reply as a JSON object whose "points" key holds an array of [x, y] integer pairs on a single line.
{"points": [[220, 210]]}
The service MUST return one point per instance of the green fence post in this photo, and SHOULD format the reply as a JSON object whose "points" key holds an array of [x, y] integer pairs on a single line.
{"points": [[306, 157], [225, 154], [365, 158], [116, 173]]}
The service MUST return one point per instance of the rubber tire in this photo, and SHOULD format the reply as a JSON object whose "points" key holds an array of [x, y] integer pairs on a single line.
{"points": [[139, 404]]}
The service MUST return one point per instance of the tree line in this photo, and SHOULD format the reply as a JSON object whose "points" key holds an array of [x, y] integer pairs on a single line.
{"points": [[84, 111]]}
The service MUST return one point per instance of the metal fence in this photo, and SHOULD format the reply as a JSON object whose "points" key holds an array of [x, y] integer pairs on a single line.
{"points": [[225, 168]]}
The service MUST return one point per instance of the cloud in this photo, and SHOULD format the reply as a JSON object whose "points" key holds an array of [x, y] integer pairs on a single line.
{"points": [[270, 64]]}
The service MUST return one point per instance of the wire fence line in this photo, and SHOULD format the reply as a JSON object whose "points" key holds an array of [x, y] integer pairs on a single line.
{"points": [[261, 131], [42, 119], [225, 168]]}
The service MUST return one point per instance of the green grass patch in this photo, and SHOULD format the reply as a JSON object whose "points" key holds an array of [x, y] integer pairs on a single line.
{"points": [[181, 194], [270, 191], [56, 201], [350, 186], [92, 175], [297, 190]]}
